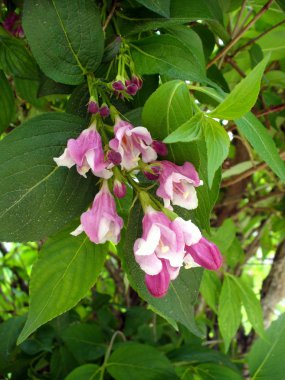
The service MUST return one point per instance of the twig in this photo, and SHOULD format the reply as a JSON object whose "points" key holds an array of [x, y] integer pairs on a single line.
{"points": [[278, 108], [248, 173], [110, 15], [239, 18], [235, 66], [253, 40], [240, 34]]}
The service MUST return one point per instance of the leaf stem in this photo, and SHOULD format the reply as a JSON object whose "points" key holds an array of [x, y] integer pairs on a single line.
{"points": [[110, 15]]}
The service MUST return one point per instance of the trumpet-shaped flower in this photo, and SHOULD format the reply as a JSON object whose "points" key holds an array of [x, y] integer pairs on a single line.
{"points": [[132, 142], [204, 253], [177, 185], [86, 152], [101, 222]]}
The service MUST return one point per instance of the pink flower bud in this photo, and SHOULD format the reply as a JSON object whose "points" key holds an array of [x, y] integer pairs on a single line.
{"points": [[160, 148], [118, 85], [13, 25], [137, 81], [104, 111], [132, 89], [204, 253], [119, 189], [158, 284], [154, 175], [114, 157], [93, 107]]}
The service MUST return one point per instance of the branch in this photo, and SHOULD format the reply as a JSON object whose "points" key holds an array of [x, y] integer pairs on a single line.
{"points": [[110, 15], [235, 66], [240, 34], [253, 40], [278, 108], [248, 173]]}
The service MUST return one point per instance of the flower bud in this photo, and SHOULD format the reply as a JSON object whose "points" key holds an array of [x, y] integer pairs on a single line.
{"points": [[93, 107], [119, 189], [114, 157], [132, 89], [154, 175], [160, 148], [104, 111], [204, 253], [137, 81], [118, 86]]}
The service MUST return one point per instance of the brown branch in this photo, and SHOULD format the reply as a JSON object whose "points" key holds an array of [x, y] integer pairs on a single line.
{"points": [[278, 108], [248, 173], [239, 18], [240, 34], [235, 66], [110, 15], [253, 40]]}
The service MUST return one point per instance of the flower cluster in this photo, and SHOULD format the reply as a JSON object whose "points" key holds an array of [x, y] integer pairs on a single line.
{"points": [[168, 242], [129, 87]]}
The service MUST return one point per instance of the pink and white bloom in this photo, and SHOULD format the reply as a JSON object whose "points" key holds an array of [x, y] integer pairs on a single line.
{"points": [[131, 142], [177, 185], [161, 249], [101, 222], [86, 152], [204, 253]]}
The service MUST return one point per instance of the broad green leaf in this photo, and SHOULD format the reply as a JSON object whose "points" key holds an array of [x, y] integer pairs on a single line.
{"points": [[276, 78], [66, 37], [37, 198], [135, 361], [251, 304], [229, 312], [169, 107], [15, 59], [62, 362], [158, 6], [257, 135], [211, 288], [252, 129], [243, 97], [191, 130], [27, 89], [7, 103], [67, 268], [266, 358], [178, 304], [238, 169], [85, 372], [166, 55], [85, 341], [202, 9], [217, 143], [9, 332], [210, 371]]}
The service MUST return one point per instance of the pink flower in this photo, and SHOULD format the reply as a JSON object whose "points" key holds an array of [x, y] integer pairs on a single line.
{"points": [[93, 107], [86, 152], [101, 222], [160, 148], [161, 249], [132, 142], [177, 185], [119, 189], [12, 24], [204, 253]]}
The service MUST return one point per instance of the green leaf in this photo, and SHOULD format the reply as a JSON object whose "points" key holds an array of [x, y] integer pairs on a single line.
{"points": [[257, 135], [9, 332], [266, 358], [27, 89], [166, 55], [85, 341], [7, 103], [158, 6], [15, 59], [178, 303], [67, 268], [243, 97], [134, 361], [73, 34], [191, 130], [211, 288], [251, 128], [229, 312], [210, 371], [37, 198], [251, 304], [217, 143], [203, 9], [85, 372]]}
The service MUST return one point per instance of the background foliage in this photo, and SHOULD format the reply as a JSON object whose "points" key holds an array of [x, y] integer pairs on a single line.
{"points": [[213, 90]]}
